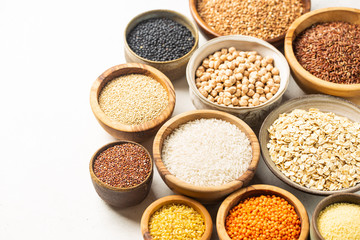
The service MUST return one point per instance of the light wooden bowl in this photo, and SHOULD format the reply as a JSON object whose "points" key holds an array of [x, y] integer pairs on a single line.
{"points": [[251, 115], [206, 195], [210, 33], [308, 82], [116, 196], [258, 190], [324, 103], [175, 199], [174, 69], [140, 132], [335, 198]]}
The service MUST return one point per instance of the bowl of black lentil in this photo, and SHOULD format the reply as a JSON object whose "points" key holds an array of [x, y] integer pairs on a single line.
{"points": [[122, 173], [163, 39], [323, 51], [268, 20], [132, 101]]}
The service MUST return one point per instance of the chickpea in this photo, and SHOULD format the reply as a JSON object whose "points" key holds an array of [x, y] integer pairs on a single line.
{"points": [[235, 54], [227, 94], [203, 92], [220, 100], [256, 95], [199, 73], [232, 90], [208, 88], [217, 64], [250, 93], [257, 64], [275, 71], [230, 57], [268, 75], [217, 54], [234, 101], [259, 84], [214, 93], [232, 66], [266, 89], [246, 73], [263, 63], [268, 96], [255, 101], [243, 54], [228, 72], [237, 93], [218, 80], [227, 83], [262, 99], [212, 83], [245, 97], [223, 57], [260, 90], [198, 85], [238, 76], [251, 86], [276, 78], [210, 98], [227, 101], [244, 89], [269, 59], [205, 63], [258, 57], [232, 80], [243, 102], [222, 66], [273, 90], [269, 67], [263, 79], [218, 89], [270, 83], [203, 84], [224, 51], [245, 81], [221, 94], [241, 69], [252, 58], [232, 49], [211, 64], [262, 72], [224, 78]]}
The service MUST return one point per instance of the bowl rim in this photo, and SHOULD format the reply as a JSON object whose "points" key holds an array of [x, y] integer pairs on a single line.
{"points": [[209, 31], [198, 114], [324, 203], [293, 62], [154, 206], [240, 38], [264, 150], [153, 123], [161, 11], [258, 190], [108, 186]]}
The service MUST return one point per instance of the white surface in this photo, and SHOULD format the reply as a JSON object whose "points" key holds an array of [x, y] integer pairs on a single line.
{"points": [[50, 54]]}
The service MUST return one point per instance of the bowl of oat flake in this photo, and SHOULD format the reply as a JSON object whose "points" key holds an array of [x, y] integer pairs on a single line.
{"points": [[312, 143]]}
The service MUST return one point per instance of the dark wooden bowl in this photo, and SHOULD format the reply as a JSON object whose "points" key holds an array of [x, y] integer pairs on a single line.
{"points": [[206, 195], [140, 132], [175, 199], [257, 190], [210, 33], [116, 196]]}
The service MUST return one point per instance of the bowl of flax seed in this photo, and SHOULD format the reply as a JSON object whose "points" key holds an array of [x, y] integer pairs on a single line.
{"points": [[267, 20], [131, 101], [323, 51]]}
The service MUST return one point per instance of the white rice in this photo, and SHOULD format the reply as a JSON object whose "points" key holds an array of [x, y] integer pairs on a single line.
{"points": [[207, 152]]}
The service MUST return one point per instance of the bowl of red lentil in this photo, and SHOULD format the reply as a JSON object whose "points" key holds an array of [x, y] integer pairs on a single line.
{"points": [[241, 75], [122, 173], [131, 101], [176, 217], [312, 144], [322, 48], [206, 154], [336, 217], [262, 212], [161, 38], [262, 19]]}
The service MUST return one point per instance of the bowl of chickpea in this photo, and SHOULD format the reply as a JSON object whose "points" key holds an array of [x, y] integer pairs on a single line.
{"points": [[241, 75]]}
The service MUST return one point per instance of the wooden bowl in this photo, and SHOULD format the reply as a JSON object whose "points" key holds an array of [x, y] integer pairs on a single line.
{"points": [[175, 199], [210, 33], [140, 132], [116, 196], [324, 103], [308, 82], [251, 115], [206, 195], [258, 190], [174, 69], [335, 198]]}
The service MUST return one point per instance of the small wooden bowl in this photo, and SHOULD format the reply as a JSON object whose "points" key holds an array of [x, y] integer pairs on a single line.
{"points": [[251, 115], [175, 199], [324, 103], [335, 198], [258, 190], [206, 195], [210, 33], [140, 132], [116, 196], [308, 82], [174, 69]]}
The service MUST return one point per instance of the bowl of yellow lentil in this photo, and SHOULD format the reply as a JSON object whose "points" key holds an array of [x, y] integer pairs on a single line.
{"points": [[336, 217], [262, 212], [251, 18], [131, 101], [241, 75], [176, 217]]}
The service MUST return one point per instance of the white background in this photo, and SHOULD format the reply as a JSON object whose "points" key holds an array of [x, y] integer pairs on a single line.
{"points": [[50, 54]]}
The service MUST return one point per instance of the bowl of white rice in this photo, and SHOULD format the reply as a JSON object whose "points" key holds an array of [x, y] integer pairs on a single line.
{"points": [[206, 154]]}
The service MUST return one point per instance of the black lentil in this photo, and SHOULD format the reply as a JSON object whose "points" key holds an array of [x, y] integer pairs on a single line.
{"points": [[125, 165], [160, 39]]}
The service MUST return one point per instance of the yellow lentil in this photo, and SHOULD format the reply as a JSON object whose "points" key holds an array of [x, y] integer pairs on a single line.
{"points": [[133, 99], [176, 221], [340, 221]]}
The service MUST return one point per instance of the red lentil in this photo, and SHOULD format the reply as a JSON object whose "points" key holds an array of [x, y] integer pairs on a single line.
{"points": [[263, 217], [330, 51], [125, 165]]}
